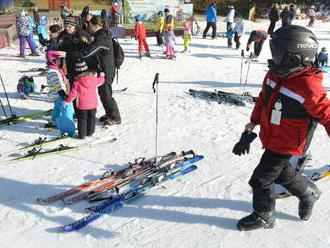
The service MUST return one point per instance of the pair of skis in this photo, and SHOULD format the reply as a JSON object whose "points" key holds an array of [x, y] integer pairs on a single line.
{"points": [[37, 148], [220, 97], [141, 185], [18, 119], [115, 179]]}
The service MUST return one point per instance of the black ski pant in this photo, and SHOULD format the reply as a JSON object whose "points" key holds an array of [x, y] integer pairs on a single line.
{"points": [[109, 103], [257, 48], [159, 38], [229, 26], [214, 29], [237, 40], [271, 27], [274, 168], [86, 122]]}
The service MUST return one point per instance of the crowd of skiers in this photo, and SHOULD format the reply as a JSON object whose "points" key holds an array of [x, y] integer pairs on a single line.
{"points": [[80, 58]]}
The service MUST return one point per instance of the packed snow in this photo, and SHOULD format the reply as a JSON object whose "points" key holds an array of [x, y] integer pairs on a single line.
{"points": [[198, 210]]}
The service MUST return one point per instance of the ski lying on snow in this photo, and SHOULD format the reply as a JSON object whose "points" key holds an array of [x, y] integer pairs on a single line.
{"points": [[128, 196], [37, 152], [109, 175], [19, 119]]}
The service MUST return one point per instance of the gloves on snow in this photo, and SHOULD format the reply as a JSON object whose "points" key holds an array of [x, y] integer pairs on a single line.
{"points": [[243, 146]]}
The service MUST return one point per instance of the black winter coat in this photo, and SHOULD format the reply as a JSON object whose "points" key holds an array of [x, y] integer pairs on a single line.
{"points": [[287, 17], [273, 15], [105, 58], [72, 43]]}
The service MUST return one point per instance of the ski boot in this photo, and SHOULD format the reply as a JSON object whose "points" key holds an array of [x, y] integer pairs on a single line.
{"points": [[110, 122], [257, 221], [307, 200], [140, 55], [103, 118], [148, 55]]}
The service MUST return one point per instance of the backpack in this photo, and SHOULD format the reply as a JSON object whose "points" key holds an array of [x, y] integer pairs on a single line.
{"points": [[118, 53]]}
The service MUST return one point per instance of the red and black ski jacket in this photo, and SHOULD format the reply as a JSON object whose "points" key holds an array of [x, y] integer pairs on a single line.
{"points": [[304, 104]]}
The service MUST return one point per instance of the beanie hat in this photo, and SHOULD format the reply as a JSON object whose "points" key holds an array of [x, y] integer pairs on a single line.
{"points": [[52, 57], [166, 10], [81, 67], [70, 21]]}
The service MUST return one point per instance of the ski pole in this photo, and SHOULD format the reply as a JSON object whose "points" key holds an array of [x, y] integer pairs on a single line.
{"points": [[4, 89], [117, 76], [241, 72], [155, 89], [248, 69], [3, 109]]}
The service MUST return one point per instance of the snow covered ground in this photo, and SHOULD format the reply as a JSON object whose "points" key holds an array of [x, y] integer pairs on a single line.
{"points": [[198, 210]]}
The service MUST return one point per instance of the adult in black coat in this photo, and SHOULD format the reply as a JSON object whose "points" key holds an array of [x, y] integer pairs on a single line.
{"points": [[273, 16], [71, 40], [102, 50]]}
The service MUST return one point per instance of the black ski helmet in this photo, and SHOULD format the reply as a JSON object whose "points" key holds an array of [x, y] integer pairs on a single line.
{"points": [[293, 46], [160, 13]]}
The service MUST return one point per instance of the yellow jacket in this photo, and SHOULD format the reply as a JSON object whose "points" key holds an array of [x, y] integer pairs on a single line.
{"points": [[159, 24]]}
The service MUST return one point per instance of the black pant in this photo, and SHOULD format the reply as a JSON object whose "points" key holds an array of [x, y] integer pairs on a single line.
{"points": [[271, 27], [229, 25], [109, 103], [159, 38], [257, 48], [274, 168], [86, 122], [237, 40], [214, 29]]}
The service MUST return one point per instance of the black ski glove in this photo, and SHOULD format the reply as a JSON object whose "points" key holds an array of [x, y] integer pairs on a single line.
{"points": [[244, 143]]}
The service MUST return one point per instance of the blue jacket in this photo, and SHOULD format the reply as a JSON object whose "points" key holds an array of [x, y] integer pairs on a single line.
{"points": [[211, 14]]}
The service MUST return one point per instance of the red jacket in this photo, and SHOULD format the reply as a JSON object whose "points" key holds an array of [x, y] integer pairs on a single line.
{"points": [[304, 103], [140, 31]]}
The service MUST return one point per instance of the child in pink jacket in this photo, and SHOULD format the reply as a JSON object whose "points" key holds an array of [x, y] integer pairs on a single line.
{"points": [[84, 89]]}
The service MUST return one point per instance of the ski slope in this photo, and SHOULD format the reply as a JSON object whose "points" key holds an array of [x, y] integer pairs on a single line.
{"points": [[198, 210]]}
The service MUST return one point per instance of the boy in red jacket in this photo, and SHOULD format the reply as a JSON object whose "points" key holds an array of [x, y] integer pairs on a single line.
{"points": [[290, 104], [140, 35]]}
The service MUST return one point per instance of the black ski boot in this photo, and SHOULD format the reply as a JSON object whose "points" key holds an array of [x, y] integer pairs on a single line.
{"points": [[307, 200], [257, 221]]}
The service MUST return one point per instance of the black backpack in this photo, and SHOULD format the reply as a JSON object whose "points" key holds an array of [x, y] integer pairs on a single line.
{"points": [[118, 53]]}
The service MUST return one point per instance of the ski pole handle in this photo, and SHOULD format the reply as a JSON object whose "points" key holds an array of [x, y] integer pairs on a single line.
{"points": [[156, 81]]}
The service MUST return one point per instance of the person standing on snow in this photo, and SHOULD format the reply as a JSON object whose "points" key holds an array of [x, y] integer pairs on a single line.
{"points": [[273, 16], [141, 35], [24, 34], [102, 52], [84, 88], [238, 30], [230, 17], [211, 19], [312, 15], [158, 28], [291, 103], [169, 20], [186, 36], [287, 16], [258, 37], [323, 57]]}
